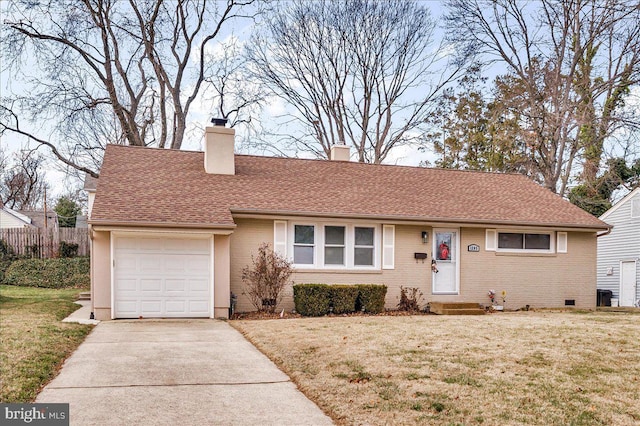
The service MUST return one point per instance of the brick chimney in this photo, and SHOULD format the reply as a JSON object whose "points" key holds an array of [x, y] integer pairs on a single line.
{"points": [[219, 148], [340, 152]]}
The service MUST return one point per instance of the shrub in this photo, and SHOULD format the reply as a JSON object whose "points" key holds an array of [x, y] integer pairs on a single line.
{"points": [[410, 299], [6, 251], [68, 249], [312, 299], [343, 298], [33, 250], [49, 273], [371, 298], [7, 255], [266, 278]]}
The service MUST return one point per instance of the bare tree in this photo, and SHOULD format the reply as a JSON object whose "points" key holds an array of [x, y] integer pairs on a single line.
{"points": [[127, 70], [362, 72], [571, 64], [229, 86], [22, 182]]}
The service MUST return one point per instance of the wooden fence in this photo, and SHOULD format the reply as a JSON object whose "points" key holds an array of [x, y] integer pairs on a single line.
{"points": [[44, 244]]}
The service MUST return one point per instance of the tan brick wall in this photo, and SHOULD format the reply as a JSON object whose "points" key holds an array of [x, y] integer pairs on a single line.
{"points": [[540, 281], [250, 233], [535, 280]]}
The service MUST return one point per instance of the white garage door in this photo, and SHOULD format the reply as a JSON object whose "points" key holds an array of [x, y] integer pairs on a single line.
{"points": [[162, 277]]}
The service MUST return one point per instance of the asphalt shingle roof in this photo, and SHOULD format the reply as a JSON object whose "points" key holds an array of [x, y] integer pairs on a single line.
{"points": [[146, 186]]}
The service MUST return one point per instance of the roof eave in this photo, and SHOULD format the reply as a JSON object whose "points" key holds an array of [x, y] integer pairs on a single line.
{"points": [[421, 219], [184, 225]]}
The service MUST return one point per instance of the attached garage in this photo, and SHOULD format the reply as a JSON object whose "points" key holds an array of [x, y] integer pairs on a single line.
{"points": [[162, 276]]}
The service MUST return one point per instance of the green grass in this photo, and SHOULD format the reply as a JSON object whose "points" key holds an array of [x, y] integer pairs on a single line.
{"points": [[33, 341]]}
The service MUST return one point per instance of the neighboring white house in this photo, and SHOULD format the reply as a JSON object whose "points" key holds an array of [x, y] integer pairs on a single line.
{"points": [[12, 219], [619, 251]]}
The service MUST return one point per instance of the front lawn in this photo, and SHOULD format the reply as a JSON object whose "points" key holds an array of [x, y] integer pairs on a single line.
{"points": [[33, 341], [538, 368]]}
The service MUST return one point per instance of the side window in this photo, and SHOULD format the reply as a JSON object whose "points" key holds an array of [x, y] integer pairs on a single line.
{"points": [[524, 241], [303, 244]]}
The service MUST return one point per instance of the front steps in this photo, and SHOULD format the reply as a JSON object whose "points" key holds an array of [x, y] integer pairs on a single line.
{"points": [[84, 296], [456, 308]]}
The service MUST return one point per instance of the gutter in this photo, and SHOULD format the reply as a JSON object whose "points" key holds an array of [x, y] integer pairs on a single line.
{"points": [[163, 224], [421, 220], [607, 232]]}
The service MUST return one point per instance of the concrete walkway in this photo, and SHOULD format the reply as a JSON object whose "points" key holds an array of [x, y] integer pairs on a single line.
{"points": [[82, 315], [168, 372]]}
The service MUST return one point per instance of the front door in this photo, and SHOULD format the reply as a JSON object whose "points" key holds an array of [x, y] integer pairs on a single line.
{"points": [[446, 255], [628, 283]]}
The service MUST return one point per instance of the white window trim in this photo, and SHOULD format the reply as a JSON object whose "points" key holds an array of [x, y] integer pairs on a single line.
{"points": [[314, 245], [552, 241], [353, 249], [344, 246], [318, 253]]}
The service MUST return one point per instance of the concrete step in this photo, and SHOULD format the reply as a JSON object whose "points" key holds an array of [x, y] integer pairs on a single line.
{"points": [[456, 308], [84, 296], [456, 305], [471, 311]]}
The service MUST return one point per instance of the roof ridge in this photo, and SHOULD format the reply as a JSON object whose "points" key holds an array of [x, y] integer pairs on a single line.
{"points": [[323, 160]]}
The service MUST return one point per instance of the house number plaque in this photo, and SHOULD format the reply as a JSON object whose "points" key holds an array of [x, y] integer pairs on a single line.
{"points": [[473, 247]]}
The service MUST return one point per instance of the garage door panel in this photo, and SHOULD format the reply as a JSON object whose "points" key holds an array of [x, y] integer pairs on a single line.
{"points": [[175, 264], [151, 285], [176, 306], [198, 286], [190, 246], [124, 285], [150, 307], [153, 244], [150, 263], [126, 263], [199, 264], [199, 306], [127, 244], [176, 285], [162, 277], [127, 309]]}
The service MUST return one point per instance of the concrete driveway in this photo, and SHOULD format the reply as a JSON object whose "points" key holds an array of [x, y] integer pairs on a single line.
{"points": [[168, 372]]}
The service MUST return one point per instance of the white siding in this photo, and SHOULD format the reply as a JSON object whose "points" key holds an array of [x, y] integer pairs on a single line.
{"points": [[7, 220], [623, 243]]}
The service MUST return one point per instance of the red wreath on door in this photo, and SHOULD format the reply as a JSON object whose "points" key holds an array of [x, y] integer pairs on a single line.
{"points": [[443, 250]]}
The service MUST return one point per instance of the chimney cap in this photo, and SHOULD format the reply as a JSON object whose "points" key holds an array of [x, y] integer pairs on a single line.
{"points": [[219, 121]]}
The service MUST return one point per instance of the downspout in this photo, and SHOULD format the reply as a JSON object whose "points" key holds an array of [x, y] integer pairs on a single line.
{"points": [[91, 270]]}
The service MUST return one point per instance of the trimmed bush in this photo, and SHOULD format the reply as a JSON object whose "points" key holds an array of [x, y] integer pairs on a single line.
{"points": [[371, 298], [312, 300], [49, 273], [343, 298]]}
